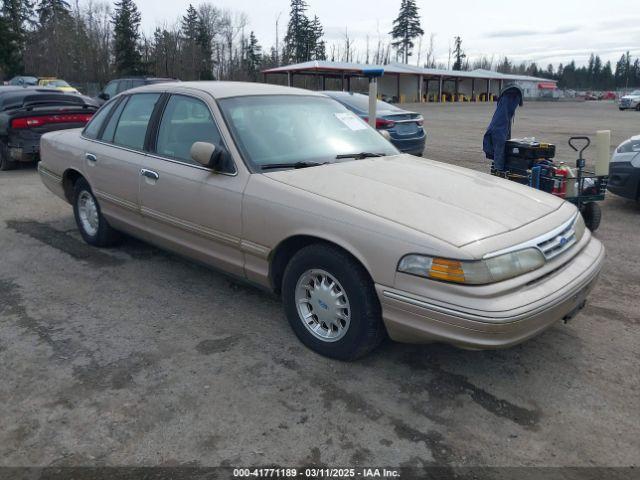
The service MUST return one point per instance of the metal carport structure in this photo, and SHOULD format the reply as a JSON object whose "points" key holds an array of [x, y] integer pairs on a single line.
{"points": [[408, 81]]}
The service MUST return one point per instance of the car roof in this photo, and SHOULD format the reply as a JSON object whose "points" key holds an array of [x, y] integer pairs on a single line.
{"points": [[225, 89]]}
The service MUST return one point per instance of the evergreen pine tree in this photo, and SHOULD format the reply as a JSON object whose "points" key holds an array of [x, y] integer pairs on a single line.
{"points": [[458, 54], [190, 49], [205, 39], [126, 24], [15, 15], [296, 40], [316, 32], [406, 28], [252, 57]]}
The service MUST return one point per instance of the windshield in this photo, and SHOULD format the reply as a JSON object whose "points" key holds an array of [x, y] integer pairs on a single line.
{"points": [[291, 128], [635, 93]]}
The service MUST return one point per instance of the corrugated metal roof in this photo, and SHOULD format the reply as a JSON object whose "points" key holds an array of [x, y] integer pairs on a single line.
{"points": [[399, 68]]}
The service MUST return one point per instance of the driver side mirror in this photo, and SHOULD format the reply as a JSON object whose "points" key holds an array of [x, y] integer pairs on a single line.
{"points": [[209, 155], [104, 96]]}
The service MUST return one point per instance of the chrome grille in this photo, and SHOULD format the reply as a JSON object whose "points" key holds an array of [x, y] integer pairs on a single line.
{"points": [[558, 242]]}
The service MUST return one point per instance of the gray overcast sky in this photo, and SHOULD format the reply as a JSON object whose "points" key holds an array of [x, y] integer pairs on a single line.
{"points": [[545, 31]]}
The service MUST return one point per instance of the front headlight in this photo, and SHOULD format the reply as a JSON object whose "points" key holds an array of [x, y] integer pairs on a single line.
{"points": [[629, 146], [579, 227], [479, 272]]}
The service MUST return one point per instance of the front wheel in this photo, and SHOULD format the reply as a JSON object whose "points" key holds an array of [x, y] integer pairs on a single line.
{"points": [[592, 215], [94, 228], [331, 303]]}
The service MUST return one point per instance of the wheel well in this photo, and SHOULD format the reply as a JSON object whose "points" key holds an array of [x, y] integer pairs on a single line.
{"points": [[288, 248], [69, 179]]}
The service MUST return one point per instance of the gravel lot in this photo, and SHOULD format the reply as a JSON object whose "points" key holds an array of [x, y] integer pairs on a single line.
{"points": [[135, 356]]}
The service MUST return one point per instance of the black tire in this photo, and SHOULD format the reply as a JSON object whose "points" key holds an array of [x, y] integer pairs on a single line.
{"points": [[105, 236], [365, 330], [621, 109], [592, 215], [638, 108], [5, 162]]}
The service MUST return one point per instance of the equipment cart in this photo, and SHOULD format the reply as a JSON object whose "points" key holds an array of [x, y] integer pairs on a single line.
{"points": [[531, 163]]}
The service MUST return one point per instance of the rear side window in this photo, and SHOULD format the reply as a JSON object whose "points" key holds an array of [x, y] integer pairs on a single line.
{"points": [[133, 122], [94, 126], [110, 129], [185, 121]]}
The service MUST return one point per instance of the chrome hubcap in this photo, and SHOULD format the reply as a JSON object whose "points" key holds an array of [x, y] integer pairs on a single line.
{"points": [[323, 305], [88, 213]]}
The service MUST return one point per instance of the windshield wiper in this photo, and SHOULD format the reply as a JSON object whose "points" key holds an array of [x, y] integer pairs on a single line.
{"points": [[360, 156], [292, 165]]}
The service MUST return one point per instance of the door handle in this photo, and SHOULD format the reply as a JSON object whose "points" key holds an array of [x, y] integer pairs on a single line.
{"points": [[149, 174], [90, 157]]}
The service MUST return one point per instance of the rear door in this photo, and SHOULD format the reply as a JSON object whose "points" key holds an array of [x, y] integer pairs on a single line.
{"points": [[186, 206], [114, 158]]}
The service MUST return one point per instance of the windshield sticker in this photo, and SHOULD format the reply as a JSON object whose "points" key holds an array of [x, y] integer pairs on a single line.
{"points": [[351, 121]]}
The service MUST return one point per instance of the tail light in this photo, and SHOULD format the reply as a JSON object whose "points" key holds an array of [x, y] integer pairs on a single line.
{"points": [[31, 122], [381, 123]]}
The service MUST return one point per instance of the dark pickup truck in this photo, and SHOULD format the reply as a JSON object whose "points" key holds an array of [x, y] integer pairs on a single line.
{"points": [[27, 113]]}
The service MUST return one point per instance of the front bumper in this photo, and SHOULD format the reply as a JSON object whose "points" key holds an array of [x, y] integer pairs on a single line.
{"points": [[628, 103], [624, 180], [413, 319]]}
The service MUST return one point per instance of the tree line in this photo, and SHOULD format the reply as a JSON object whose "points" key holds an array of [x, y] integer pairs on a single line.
{"points": [[93, 41]]}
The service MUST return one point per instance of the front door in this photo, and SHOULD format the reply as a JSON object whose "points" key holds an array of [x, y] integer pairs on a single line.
{"points": [[188, 207]]}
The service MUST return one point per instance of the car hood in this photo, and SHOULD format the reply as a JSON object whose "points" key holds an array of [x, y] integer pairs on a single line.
{"points": [[631, 97], [453, 204]]}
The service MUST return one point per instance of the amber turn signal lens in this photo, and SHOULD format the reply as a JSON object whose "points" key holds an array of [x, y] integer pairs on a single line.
{"points": [[449, 270]]}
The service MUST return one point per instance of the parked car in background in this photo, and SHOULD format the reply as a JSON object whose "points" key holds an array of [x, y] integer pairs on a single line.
{"points": [[120, 85], [27, 113], [58, 84], [404, 127], [630, 101], [288, 189], [24, 81], [624, 169]]}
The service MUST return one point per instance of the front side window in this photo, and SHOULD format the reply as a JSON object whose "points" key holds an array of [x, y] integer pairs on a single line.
{"points": [[185, 121], [93, 127], [133, 122], [294, 128]]}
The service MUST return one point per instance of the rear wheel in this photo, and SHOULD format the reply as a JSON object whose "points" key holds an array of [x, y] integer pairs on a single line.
{"points": [[94, 228], [592, 215], [5, 162], [331, 303]]}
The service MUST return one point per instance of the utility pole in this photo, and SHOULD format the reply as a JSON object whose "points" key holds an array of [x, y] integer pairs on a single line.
{"points": [[277, 42]]}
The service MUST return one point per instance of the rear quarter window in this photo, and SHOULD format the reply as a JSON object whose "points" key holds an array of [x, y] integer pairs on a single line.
{"points": [[92, 130]]}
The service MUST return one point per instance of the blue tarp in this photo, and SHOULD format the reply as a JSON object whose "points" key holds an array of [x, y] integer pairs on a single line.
{"points": [[499, 130]]}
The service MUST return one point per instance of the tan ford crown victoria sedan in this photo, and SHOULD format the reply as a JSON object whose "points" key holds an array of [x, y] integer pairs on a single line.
{"points": [[289, 190]]}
